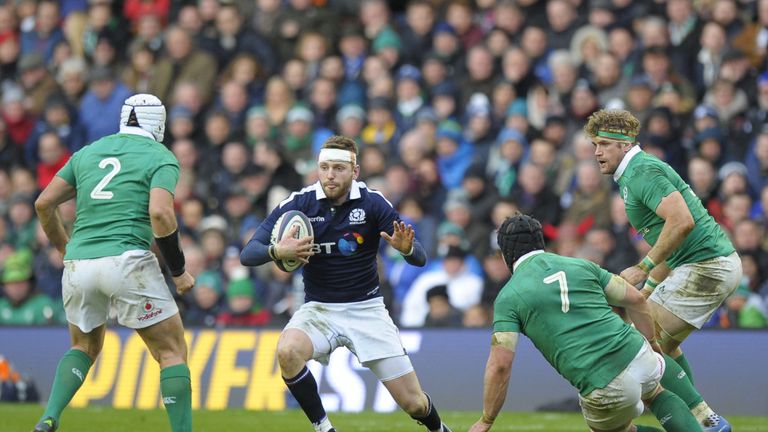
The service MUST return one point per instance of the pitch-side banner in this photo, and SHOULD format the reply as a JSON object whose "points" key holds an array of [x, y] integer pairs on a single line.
{"points": [[238, 368]]}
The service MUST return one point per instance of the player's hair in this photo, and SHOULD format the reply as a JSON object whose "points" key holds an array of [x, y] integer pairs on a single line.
{"points": [[612, 120], [341, 142], [517, 236]]}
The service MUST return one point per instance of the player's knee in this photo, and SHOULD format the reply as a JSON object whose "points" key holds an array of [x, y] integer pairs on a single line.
{"points": [[289, 353], [92, 350]]}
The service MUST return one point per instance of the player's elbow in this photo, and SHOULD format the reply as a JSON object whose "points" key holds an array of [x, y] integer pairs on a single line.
{"points": [[42, 204], [162, 217]]}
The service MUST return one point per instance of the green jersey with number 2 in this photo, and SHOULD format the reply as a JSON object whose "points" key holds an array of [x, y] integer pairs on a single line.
{"points": [[559, 303], [113, 177]]}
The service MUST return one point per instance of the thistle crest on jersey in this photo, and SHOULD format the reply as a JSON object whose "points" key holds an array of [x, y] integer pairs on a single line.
{"points": [[145, 111]]}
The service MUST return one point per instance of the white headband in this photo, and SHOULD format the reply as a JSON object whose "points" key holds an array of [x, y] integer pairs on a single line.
{"points": [[336, 155]]}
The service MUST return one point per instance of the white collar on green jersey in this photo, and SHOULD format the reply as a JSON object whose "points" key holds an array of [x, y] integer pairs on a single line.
{"points": [[525, 257], [625, 161], [135, 130]]}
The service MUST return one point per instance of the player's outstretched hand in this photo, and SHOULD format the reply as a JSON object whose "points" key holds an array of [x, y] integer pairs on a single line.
{"points": [[480, 426], [634, 275], [401, 238], [184, 283], [291, 247]]}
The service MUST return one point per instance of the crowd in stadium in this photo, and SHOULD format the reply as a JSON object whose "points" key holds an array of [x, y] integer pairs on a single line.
{"points": [[465, 111]]}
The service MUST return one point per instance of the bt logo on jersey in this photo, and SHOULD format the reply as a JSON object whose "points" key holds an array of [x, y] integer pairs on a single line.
{"points": [[347, 244]]}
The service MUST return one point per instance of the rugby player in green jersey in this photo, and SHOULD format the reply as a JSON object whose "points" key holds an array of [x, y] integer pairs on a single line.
{"points": [[692, 266], [123, 185], [563, 305]]}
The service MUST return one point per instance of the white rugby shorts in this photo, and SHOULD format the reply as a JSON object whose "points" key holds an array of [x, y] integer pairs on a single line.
{"points": [[622, 399], [365, 328], [131, 283], [693, 292]]}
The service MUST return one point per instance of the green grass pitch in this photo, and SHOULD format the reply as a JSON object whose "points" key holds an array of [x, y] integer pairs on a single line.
{"points": [[21, 418]]}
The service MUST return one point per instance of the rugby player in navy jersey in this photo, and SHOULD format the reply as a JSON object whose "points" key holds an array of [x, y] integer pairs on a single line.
{"points": [[343, 304]]}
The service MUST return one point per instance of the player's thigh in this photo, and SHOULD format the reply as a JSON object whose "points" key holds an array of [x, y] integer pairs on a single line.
{"points": [[165, 341], [692, 292], [85, 304], [613, 407], [367, 330], [141, 296], [313, 323]]}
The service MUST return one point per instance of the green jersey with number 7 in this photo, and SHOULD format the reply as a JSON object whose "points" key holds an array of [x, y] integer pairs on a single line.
{"points": [[113, 177], [560, 304]]}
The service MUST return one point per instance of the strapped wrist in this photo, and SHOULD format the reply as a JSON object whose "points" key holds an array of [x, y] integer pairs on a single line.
{"points": [[174, 257], [647, 264]]}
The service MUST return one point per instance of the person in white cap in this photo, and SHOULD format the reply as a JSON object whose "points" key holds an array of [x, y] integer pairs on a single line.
{"points": [[124, 185]]}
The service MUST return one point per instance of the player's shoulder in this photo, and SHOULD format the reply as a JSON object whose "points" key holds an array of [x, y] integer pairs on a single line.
{"points": [[306, 196], [373, 196]]}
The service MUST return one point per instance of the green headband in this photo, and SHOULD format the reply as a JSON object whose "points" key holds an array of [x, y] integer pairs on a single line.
{"points": [[614, 135]]}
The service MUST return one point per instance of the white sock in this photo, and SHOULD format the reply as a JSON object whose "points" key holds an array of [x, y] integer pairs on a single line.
{"points": [[323, 426], [704, 414]]}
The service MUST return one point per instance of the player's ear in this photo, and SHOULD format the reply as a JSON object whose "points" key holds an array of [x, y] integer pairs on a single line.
{"points": [[355, 172]]}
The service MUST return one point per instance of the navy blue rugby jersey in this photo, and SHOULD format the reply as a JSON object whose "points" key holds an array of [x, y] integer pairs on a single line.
{"points": [[347, 237]]}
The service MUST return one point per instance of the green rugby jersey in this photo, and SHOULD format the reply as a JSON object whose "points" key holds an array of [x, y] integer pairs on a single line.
{"points": [[643, 181], [559, 303], [113, 177]]}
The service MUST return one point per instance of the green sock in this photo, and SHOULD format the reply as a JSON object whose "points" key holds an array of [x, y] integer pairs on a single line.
{"points": [[642, 428], [177, 396], [683, 362], [672, 413], [70, 374], [675, 380]]}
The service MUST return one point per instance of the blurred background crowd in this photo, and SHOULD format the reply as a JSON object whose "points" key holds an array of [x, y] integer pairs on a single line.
{"points": [[465, 111]]}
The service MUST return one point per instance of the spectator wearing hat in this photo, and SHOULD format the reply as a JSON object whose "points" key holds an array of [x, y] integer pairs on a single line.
{"points": [[639, 97], [46, 33], [440, 311], [710, 144], [350, 120], [446, 46], [733, 180], [479, 129], [18, 121], [102, 103], [301, 140], [505, 158], [20, 305], [454, 154], [36, 81], [61, 118], [458, 211], [183, 63], [242, 309], [409, 98], [212, 233], [481, 195], [207, 304], [181, 124], [381, 129], [445, 100], [464, 288], [416, 33], [9, 54], [352, 47]]}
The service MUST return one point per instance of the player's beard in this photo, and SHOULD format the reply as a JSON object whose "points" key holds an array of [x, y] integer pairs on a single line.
{"points": [[338, 191]]}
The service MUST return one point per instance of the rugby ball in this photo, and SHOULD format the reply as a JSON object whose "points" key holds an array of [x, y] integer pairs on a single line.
{"points": [[282, 227]]}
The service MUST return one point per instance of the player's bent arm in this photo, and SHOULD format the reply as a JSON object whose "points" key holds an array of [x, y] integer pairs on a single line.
{"points": [[255, 253], [497, 373], [619, 292], [678, 223], [164, 226], [57, 192]]}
